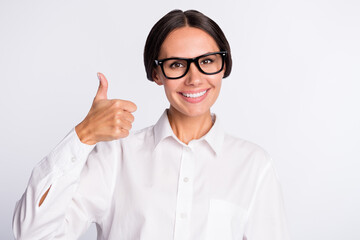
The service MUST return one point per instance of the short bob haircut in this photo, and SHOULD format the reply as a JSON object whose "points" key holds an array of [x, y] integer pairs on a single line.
{"points": [[177, 19]]}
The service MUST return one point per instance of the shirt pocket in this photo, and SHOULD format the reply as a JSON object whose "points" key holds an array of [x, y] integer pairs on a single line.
{"points": [[226, 221]]}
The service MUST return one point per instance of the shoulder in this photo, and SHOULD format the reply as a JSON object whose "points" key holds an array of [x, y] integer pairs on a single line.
{"points": [[246, 151], [135, 137], [139, 137], [110, 152], [147, 132]]}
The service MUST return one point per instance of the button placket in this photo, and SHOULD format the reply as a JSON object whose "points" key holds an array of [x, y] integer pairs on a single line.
{"points": [[185, 195]]}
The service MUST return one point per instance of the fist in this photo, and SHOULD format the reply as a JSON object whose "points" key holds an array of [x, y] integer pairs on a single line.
{"points": [[108, 119]]}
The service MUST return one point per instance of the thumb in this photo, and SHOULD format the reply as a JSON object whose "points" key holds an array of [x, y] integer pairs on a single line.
{"points": [[103, 87]]}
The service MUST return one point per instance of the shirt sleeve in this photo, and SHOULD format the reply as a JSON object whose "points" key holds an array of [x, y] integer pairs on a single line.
{"points": [[72, 202], [266, 219]]}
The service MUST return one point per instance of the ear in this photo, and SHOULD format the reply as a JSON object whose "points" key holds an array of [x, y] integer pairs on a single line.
{"points": [[156, 77]]}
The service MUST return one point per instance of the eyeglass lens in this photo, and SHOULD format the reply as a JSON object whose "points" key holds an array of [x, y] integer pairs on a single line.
{"points": [[210, 64]]}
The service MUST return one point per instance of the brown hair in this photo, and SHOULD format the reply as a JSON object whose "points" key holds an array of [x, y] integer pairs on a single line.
{"points": [[177, 19]]}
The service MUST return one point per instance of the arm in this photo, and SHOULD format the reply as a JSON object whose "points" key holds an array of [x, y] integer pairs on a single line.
{"points": [[58, 174], [58, 200], [266, 219]]}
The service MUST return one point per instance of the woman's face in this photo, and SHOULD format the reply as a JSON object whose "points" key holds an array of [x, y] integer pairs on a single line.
{"points": [[193, 94]]}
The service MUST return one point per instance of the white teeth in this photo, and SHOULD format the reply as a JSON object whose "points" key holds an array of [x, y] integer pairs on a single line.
{"points": [[194, 95]]}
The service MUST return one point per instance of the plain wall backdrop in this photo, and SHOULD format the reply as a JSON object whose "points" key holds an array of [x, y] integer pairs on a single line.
{"points": [[294, 90]]}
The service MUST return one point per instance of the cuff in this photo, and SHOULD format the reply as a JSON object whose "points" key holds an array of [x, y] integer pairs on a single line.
{"points": [[70, 153]]}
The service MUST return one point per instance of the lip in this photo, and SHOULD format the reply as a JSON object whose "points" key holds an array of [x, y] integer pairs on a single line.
{"points": [[194, 91], [197, 99]]}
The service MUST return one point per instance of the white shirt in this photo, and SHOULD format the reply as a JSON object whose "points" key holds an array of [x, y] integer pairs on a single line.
{"points": [[152, 186]]}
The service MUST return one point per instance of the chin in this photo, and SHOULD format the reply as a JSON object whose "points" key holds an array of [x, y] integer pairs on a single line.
{"points": [[192, 111]]}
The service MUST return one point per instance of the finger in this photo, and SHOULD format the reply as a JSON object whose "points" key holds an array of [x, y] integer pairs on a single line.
{"points": [[129, 106], [124, 105], [121, 133], [126, 125], [103, 87], [123, 120], [129, 117], [125, 115], [124, 133]]}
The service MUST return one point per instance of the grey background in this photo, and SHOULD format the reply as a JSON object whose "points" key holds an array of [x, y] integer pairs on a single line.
{"points": [[294, 90]]}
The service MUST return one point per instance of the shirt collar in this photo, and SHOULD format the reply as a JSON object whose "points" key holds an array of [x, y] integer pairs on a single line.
{"points": [[215, 137], [162, 129]]}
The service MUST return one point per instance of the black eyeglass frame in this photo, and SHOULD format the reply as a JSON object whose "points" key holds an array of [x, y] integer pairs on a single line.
{"points": [[189, 61]]}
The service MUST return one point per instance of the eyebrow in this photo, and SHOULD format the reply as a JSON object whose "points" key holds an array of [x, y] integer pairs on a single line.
{"points": [[189, 57]]}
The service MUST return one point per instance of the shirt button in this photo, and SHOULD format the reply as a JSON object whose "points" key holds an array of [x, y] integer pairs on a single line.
{"points": [[73, 159], [186, 179], [183, 215]]}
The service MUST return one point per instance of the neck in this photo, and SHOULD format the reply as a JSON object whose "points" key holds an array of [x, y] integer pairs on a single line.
{"points": [[188, 128]]}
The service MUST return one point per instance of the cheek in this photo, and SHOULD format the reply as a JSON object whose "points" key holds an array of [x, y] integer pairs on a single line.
{"points": [[170, 90], [170, 86], [216, 82], [217, 86]]}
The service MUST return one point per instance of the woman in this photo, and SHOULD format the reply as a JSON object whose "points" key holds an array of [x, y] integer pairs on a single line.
{"points": [[182, 178]]}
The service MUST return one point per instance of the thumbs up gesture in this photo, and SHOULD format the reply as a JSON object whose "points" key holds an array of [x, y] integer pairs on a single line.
{"points": [[108, 119]]}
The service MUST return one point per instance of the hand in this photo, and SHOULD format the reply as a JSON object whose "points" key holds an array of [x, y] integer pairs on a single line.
{"points": [[107, 119]]}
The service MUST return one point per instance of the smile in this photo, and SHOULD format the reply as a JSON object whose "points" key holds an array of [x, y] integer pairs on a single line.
{"points": [[194, 95]]}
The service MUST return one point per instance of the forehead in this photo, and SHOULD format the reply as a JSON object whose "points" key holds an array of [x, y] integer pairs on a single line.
{"points": [[187, 42]]}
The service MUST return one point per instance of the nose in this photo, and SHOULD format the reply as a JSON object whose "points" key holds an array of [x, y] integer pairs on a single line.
{"points": [[194, 76]]}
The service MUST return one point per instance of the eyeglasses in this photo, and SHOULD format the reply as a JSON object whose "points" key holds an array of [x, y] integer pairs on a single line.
{"points": [[175, 68]]}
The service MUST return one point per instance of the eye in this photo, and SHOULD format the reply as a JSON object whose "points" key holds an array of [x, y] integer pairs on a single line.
{"points": [[207, 61], [177, 65]]}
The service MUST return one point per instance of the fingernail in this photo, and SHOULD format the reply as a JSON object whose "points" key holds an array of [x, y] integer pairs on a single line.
{"points": [[98, 75]]}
